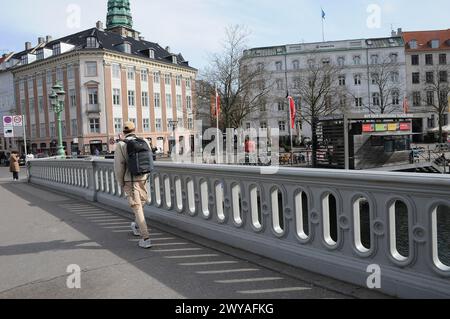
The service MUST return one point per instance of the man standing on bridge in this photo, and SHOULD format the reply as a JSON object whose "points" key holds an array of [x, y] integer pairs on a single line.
{"points": [[135, 187]]}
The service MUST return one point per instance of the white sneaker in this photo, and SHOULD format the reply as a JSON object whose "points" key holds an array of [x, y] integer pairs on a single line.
{"points": [[146, 244], [135, 230]]}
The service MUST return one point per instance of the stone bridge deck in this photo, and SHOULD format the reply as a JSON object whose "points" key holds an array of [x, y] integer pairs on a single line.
{"points": [[42, 232]]}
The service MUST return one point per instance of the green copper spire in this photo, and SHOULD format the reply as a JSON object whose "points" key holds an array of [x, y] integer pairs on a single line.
{"points": [[119, 14]]}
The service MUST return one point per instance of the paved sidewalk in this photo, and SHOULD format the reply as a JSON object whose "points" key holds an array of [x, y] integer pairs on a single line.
{"points": [[42, 232]]}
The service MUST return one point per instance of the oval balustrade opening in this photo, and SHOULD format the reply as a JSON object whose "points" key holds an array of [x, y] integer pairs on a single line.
{"points": [[255, 206], [178, 194], [220, 202], [277, 211], [237, 204], [441, 237], [330, 225], [399, 229], [204, 193], [361, 211], [302, 215]]}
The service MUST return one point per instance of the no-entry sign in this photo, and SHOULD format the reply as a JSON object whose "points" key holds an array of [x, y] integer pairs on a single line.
{"points": [[18, 120]]}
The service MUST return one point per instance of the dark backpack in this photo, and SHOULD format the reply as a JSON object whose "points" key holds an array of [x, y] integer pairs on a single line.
{"points": [[140, 157]]}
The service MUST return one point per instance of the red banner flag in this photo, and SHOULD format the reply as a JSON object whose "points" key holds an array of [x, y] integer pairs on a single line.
{"points": [[292, 110], [217, 104], [405, 106]]}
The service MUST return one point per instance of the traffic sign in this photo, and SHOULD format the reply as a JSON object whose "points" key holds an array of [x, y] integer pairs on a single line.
{"points": [[8, 132], [7, 121], [18, 120]]}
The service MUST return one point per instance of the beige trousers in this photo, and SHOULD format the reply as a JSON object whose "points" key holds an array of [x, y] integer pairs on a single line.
{"points": [[137, 196]]}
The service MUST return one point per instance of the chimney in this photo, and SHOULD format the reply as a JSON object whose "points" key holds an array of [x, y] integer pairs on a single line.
{"points": [[99, 25], [399, 32], [393, 33], [28, 46], [141, 38], [49, 39], [41, 40], [168, 49]]}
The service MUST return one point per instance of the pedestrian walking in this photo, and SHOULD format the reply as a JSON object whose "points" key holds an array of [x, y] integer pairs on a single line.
{"points": [[133, 161], [14, 166]]}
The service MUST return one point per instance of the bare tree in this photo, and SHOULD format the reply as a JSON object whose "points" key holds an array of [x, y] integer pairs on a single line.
{"points": [[321, 95], [385, 75], [437, 88], [241, 83]]}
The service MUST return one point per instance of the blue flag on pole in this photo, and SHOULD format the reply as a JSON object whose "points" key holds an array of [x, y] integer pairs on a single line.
{"points": [[323, 14]]}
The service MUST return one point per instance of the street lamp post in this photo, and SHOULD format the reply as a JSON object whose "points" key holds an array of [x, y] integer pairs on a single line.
{"points": [[57, 100], [174, 125]]}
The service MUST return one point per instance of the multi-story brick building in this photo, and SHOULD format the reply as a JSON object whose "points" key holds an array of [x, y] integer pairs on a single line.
{"points": [[427, 68], [110, 76]]}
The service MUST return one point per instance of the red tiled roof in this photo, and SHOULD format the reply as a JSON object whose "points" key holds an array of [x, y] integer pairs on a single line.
{"points": [[424, 39]]}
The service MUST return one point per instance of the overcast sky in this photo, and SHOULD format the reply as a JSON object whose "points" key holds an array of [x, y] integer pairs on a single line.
{"points": [[195, 27]]}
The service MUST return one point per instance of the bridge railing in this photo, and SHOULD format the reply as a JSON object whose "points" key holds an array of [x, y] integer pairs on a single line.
{"points": [[354, 226]]}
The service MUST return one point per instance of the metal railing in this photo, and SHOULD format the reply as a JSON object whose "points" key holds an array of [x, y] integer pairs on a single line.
{"points": [[336, 223]]}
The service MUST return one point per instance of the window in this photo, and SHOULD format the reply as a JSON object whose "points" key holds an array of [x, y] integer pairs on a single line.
{"points": [[42, 132], [429, 59], [188, 102], [146, 125], [91, 43], [144, 75], [358, 102], [325, 61], [116, 71], [116, 96], [430, 77], [395, 98], [430, 98], [180, 122], [91, 68], [59, 75], [417, 99], [415, 59], [74, 127], [156, 77], [263, 125], [179, 103], [395, 77], [167, 79], [443, 76], [435, 44], [248, 125], [342, 101], [158, 125], [70, 73], [311, 63], [375, 78], [57, 49], [131, 98], [145, 99], [94, 125], [413, 44], [63, 128], [72, 98], [416, 78], [49, 79], [93, 96], [41, 104], [178, 80], [32, 106], [132, 120], [33, 130], [157, 100], [169, 104], [188, 83], [282, 126], [341, 61], [342, 80], [130, 74], [190, 123], [443, 99], [279, 66], [280, 106], [442, 59], [126, 47], [393, 57], [357, 79], [374, 59], [117, 125], [376, 99], [52, 129], [296, 65], [279, 84]]}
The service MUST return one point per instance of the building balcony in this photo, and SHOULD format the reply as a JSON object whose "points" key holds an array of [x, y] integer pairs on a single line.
{"points": [[93, 108]]}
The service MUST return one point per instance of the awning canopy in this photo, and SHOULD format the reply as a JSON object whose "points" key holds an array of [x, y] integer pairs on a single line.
{"points": [[444, 129]]}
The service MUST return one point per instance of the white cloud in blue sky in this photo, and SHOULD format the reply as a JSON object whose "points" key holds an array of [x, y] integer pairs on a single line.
{"points": [[195, 27]]}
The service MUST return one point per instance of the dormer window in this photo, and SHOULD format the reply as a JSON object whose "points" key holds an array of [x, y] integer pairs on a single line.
{"points": [[91, 43], [24, 59], [174, 59], [413, 44], [151, 54], [57, 49], [125, 47], [435, 44], [40, 54]]}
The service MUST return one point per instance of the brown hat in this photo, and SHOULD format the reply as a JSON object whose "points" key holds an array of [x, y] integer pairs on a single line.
{"points": [[129, 127]]}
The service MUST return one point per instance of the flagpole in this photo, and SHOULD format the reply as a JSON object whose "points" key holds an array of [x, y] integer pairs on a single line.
{"points": [[323, 27], [217, 124], [25, 134]]}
